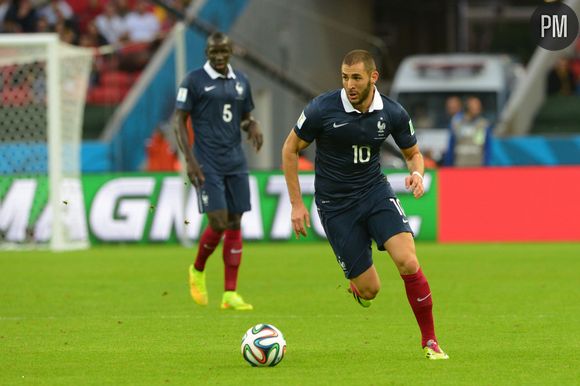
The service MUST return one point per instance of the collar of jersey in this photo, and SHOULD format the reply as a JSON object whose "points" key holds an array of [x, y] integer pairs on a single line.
{"points": [[214, 74], [376, 105]]}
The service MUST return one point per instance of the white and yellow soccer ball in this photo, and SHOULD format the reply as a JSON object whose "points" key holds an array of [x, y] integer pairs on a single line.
{"points": [[263, 345]]}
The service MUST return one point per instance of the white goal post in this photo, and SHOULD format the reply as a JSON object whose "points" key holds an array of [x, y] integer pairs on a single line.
{"points": [[43, 86]]}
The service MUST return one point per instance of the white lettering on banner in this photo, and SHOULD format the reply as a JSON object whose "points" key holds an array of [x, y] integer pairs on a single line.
{"points": [[415, 224], [282, 225], [15, 209], [119, 210], [169, 211], [75, 221], [195, 218], [252, 224], [315, 220]]}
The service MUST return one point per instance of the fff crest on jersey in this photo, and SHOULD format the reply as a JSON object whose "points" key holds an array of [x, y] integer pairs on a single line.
{"points": [[381, 127], [239, 88]]}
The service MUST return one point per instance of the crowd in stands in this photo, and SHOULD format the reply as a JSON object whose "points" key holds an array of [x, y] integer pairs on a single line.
{"points": [[564, 77], [131, 29]]}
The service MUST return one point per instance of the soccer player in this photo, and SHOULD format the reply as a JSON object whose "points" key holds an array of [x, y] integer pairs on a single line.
{"points": [[354, 199], [218, 100]]}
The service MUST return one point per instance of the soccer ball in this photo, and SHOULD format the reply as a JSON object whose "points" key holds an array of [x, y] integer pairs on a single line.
{"points": [[263, 345]]}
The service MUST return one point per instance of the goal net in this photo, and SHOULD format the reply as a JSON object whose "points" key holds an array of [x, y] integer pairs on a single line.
{"points": [[43, 85]]}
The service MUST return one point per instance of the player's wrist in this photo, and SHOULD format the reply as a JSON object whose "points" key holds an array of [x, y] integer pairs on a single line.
{"points": [[249, 123], [416, 173]]}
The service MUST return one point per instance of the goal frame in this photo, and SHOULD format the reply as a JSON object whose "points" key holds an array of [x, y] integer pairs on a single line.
{"points": [[51, 42]]}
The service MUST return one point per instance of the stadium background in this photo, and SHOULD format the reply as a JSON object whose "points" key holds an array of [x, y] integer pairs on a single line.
{"points": [[290, 50]]}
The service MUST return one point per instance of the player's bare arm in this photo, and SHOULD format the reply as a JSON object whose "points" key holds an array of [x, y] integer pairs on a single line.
{"points": [[194, 172], [416, 166], [251, 126], [300, 216]]}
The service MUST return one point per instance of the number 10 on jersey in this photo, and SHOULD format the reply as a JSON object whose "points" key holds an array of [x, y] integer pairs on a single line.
{"points": [[362, 154]]}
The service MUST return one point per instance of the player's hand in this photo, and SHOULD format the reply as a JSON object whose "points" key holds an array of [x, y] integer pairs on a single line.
{"points": [[255, 135], [414, 184], [195, 174], [300, 217]]}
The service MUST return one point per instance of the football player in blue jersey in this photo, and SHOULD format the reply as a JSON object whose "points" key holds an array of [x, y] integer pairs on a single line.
{"points": [[218, 100], [355, 201]]}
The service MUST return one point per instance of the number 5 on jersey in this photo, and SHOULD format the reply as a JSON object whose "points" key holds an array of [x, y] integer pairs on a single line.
{"points": [[227, 114]]}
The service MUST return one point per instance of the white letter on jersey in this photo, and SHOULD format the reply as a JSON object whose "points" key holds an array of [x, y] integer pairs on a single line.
{"points": [[411, 127], [301, 120], [182, 94]]}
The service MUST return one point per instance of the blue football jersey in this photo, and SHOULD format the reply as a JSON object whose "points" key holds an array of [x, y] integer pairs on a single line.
{"points": [[348, 142], [216, 104]]}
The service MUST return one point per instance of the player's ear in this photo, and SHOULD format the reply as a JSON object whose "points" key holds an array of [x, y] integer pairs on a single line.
{"points": [[374, 76]]}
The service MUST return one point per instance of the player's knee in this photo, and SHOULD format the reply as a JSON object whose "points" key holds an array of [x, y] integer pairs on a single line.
{"points": [[369, 292], [218, 225], [408, 265], [234, 224]]}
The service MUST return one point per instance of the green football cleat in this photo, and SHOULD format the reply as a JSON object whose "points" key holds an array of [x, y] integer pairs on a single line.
{"points": [[433, 351], [197, 286], [363, 302], [233, 301]]}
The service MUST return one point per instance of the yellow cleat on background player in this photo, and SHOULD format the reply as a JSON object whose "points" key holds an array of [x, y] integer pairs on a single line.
{"points": [[197, 286], [233, 301]]}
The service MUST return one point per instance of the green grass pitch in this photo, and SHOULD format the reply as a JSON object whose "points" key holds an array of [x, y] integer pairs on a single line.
{"points": [[507, 314]]}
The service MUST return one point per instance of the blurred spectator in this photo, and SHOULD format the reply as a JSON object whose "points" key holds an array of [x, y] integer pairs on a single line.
{"points": [[86, 11], [123, 7], [4, 4], [92, 37], [453, 105], [304, 164], [421, 118], [110, 24], [20, 17], [469, 137], [56, 11], [42, 25], [561, 79], [66, 32], [142, 25], [160, 155]]}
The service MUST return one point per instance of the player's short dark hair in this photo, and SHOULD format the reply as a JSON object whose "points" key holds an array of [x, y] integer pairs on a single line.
{"points": [[218, 38], [360, 56]]}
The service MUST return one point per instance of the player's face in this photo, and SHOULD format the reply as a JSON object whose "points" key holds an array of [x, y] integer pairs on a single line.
{"points": [[218, 53], [358, 84]]}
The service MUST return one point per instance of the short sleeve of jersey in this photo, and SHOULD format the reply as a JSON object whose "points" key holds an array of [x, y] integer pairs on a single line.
{"points": [[309, 124], [185, 94], [403, 131]]}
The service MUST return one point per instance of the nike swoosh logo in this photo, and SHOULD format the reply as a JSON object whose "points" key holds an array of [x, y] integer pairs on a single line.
{"points": [[339, 125], [209, 88], [421, 299], [235, 251], [207, 246]]}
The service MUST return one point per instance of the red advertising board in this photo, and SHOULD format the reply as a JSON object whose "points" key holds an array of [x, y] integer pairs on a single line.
{"points": [[509, 204]]}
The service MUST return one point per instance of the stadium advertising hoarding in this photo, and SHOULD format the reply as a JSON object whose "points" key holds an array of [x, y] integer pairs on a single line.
{"points": [[142, 208], [509, 204]]}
